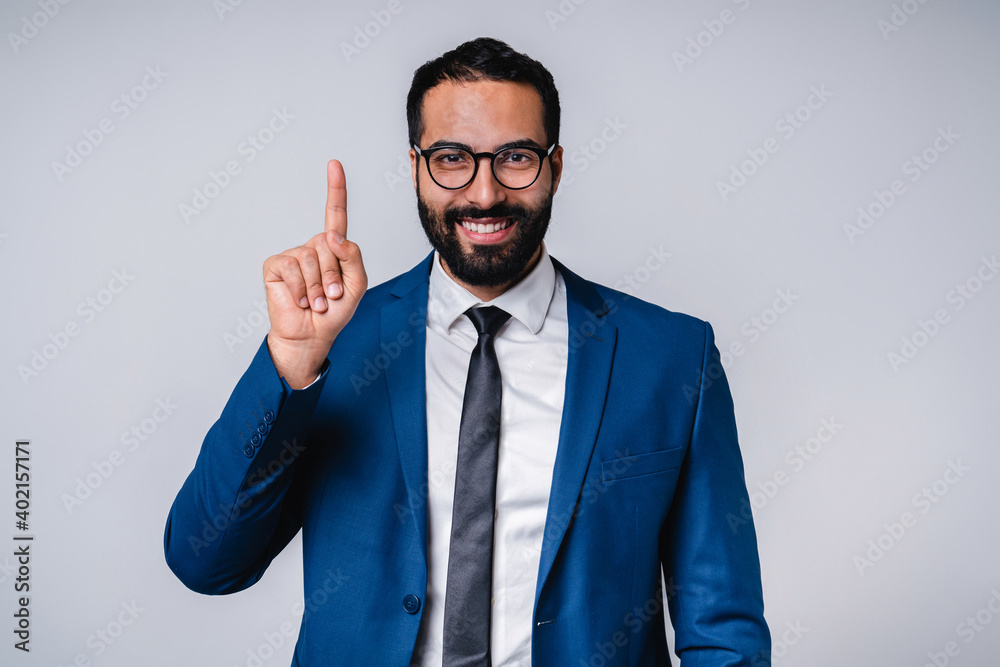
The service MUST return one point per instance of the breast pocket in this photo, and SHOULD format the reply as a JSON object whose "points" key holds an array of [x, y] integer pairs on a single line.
{"points": [[641, 464]]}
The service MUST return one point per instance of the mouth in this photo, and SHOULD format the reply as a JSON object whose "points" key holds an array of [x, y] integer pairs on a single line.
{"points": [[487, 230]]}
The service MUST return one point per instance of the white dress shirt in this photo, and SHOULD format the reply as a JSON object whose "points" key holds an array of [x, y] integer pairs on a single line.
{"points": [[532, 351]]}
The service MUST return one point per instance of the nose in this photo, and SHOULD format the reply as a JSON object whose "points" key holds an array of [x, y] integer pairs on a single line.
{"points": [[485, 191]]}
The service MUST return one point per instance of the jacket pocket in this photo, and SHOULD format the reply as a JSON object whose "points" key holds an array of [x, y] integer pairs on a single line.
{"points": [[641, 464]]}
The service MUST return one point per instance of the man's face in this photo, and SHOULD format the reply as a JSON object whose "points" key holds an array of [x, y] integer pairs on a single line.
{"points": [[485, 115]]}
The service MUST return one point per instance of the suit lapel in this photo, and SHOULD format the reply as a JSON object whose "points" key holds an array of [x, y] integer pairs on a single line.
{"points": [[592, 339], [407, 387]]}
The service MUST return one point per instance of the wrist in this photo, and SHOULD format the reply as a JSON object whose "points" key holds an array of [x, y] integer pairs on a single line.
{"points": [[299, 363]]}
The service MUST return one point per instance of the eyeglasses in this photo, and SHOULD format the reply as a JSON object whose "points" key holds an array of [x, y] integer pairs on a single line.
{"points": [[515, 168]]}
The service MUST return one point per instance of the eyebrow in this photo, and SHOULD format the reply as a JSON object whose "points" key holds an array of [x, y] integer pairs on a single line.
{"points": [[525, 141]]}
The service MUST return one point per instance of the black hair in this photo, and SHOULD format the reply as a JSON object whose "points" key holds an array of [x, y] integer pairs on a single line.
{"points": [[482, 58]]}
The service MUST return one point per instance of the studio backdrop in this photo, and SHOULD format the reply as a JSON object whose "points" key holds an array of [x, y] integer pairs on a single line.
{"points": [[818, 180]]}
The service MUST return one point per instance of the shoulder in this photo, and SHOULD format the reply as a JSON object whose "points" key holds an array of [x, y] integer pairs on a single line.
{"points": [[633, 315]]}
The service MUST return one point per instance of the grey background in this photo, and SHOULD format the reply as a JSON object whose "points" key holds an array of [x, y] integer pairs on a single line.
{"points": [[654, 186]]}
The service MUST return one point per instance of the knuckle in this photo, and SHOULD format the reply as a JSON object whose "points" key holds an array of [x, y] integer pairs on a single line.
{"points": [[287, 264], [309, 260]]}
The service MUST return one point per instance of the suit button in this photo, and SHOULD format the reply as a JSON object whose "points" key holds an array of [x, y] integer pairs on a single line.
{"points": [[411, 604], [255, 440], [248, 450], [261, 428], [269, 416]]}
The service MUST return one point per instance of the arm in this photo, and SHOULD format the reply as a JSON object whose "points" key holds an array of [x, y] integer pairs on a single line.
{"points": [[241, 504], [717, 609]]}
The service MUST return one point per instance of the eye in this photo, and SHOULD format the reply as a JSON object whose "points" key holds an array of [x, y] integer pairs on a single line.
{"points": [[517, 158], [450, 158]]}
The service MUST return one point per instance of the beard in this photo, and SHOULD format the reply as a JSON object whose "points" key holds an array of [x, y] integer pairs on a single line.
{"points": [[486, 265]]}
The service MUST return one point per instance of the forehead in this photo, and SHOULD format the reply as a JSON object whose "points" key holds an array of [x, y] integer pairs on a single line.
{"points": [[482, 114]]}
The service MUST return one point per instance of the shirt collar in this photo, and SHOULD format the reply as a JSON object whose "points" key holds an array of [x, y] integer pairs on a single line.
{"points": [[527, 301]]}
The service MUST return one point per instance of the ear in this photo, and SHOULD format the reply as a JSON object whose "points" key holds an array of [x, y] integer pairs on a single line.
{"points": [[414, 161], [557, 168]]}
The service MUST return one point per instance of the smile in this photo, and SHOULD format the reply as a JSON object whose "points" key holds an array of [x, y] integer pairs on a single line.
{"points": [[494, 225]]}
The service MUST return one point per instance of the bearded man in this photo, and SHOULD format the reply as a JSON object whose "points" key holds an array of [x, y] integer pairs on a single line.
{"points": [[493, 461]]}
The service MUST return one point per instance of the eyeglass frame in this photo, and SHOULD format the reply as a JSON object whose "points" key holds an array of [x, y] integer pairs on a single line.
{"points": [[540, 152]]}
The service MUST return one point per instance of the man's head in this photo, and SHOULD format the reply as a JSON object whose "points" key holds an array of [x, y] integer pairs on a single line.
{"points": [[484, 97]]}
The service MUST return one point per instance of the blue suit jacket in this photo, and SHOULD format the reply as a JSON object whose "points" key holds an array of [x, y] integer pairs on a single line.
{"points": [[648, 474]]}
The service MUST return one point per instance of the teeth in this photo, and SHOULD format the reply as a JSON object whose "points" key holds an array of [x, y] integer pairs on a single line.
{"points": [[486, 229]]}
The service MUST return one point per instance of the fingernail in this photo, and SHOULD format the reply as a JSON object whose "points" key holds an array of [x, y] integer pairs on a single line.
{"points": [[304, 302], [334, 290], [338, 238], [319, 303]]}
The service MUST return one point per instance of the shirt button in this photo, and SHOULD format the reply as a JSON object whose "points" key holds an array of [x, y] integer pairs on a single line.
{"points": [[255, 440], [268, 416], [248, 450], [411, 604], [261, 428]]}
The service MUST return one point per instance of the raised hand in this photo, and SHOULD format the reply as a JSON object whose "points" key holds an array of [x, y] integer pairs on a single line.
{"points": [[313, 290]]}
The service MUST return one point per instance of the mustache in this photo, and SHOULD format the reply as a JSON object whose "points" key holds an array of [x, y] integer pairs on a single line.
{"points": [[502, 210]]}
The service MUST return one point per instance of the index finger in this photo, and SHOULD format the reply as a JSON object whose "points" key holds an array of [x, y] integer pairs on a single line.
{"points": [[336, 198]]}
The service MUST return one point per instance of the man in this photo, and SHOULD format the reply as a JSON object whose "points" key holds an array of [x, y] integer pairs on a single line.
{"points": [[492, 460]]}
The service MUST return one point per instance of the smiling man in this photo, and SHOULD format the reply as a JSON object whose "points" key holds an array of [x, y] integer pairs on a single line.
{"points": [[493, 461]]}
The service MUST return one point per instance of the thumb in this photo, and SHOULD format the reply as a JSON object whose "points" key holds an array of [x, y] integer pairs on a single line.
{"points": [[352, 269]]}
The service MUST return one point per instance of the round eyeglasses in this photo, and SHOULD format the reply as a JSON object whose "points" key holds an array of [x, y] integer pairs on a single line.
{"points": [[515, 168]]}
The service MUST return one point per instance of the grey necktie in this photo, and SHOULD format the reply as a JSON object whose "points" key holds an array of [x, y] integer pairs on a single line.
{"points": [[469, 594]]}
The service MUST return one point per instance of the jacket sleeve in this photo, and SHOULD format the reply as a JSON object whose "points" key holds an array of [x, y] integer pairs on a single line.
{"points": [[708, 545], [240, 505]]}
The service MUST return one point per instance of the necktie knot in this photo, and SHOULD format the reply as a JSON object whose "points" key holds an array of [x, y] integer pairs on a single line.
{"points": [[487, 319]]}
